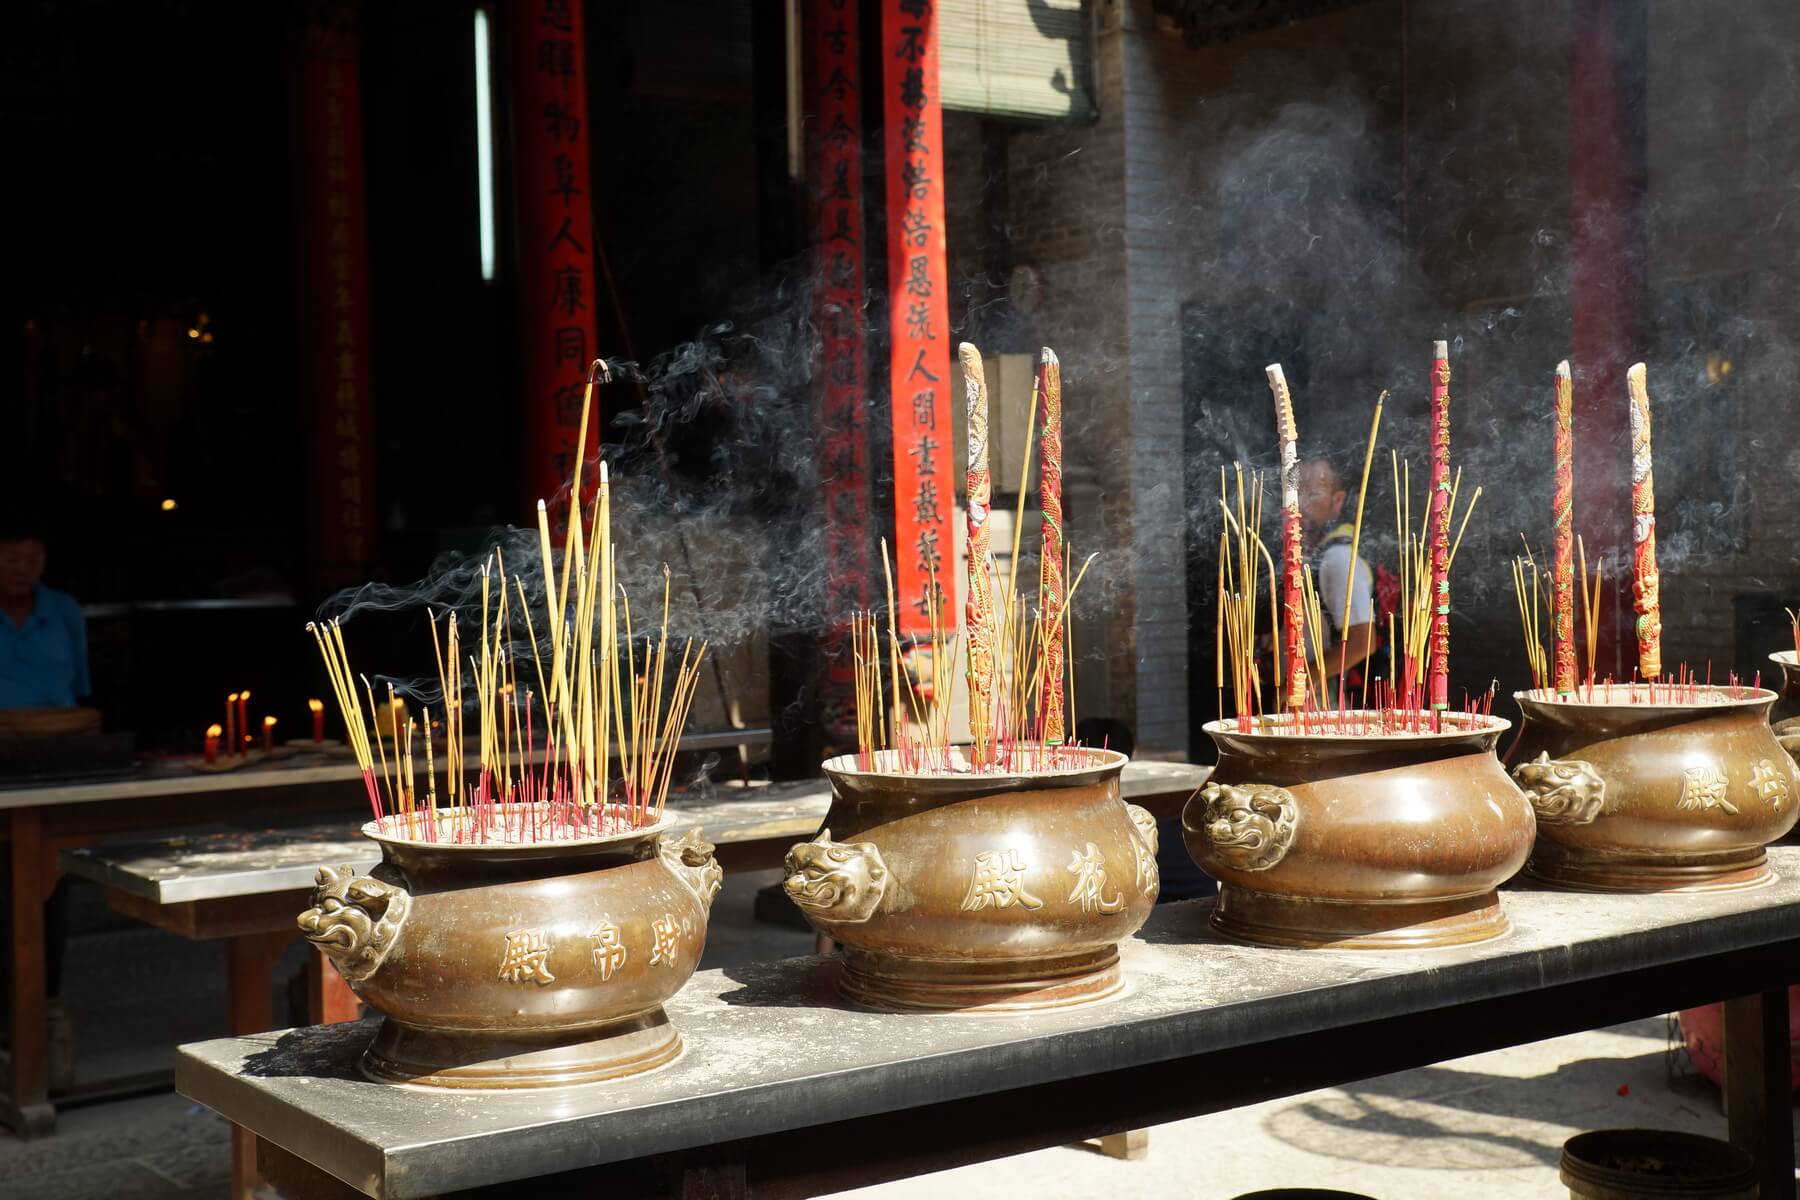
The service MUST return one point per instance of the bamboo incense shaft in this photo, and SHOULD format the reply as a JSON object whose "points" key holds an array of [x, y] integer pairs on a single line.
{"points": [[1439, 672], [1292, 647], [1050, 559], [1562, 628], [1646, 592], [979, 615]]}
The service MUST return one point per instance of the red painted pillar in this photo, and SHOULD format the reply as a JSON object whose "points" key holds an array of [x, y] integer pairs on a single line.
{"points": [[334, 277], [1608, 280], [554, 202], [919, 381], [834, 162]]}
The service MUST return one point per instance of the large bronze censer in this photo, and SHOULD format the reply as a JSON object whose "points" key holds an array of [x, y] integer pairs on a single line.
{"points": [[510, 964], [1642, 797], [1374, 841], [976, 891]]}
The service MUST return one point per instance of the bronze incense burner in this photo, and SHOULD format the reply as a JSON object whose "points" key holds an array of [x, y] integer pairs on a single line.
{"points": [[1359, 841], [1655, 797], [510, 965], [980, 892]]}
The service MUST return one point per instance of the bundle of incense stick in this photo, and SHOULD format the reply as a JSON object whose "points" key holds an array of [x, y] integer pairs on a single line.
{"points": [[1018, 665], [1397, 705], [612, 697]]}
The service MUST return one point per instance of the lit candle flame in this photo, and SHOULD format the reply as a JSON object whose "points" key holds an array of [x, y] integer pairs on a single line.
{"points": [[232, 699], [316, 705], [245, 696], [214, 731], [268, 722]]}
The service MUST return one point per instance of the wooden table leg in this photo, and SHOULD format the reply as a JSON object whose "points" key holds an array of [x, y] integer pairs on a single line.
{"points": [[1133, 1144], [328, 998], [248, 963], [1758, 1087], [27, 1109]]}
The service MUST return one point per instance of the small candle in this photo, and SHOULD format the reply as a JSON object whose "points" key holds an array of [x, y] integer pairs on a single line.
{"points": [[268, 734], [318, 716], [243, 721], [231, 722], [212, 743]]}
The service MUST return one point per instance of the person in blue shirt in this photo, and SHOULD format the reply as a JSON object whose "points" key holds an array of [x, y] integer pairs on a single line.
{"points": [[43, 664], [43, 636]]}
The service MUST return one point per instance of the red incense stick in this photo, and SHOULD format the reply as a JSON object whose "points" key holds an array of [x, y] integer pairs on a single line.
{"points": [[1440, 528], [1293, 555]]}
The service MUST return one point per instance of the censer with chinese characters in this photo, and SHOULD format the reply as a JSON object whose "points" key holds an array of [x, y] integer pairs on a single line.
{"points": [[1663, 783], [1368, 815], [530, 913], [994, 891], [1000, 875], [513, 963], [1680, 794], [1359, 840]]}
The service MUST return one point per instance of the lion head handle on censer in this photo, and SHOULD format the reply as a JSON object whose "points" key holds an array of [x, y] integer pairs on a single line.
{"points": [[1250, 825], [1564, 791], [355, 919], [691, 857], [841, 881]]}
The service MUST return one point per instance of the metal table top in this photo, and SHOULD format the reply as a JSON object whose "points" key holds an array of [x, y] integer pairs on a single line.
{"points": [[216, 862], [173, 779], [768, 1048]]}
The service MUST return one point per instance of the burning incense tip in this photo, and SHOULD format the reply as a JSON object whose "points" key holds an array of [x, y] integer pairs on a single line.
{"points": [[541, 507], [1440, 350], [603, 473], [1562, 369], [1049, 358], [598, 373]]}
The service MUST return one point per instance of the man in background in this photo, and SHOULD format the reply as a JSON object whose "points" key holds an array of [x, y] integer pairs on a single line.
{"points": [[43, 636], [1351, 637], [43, 664]]}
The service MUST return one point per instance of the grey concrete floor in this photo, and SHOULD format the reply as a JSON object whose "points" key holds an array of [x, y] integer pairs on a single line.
{"points": [[1475, 1128]]}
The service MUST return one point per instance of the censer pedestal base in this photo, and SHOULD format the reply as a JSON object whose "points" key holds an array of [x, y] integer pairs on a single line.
{"points": [[469, 1059], [1275, 920], [1588, 871], [891, 983]]}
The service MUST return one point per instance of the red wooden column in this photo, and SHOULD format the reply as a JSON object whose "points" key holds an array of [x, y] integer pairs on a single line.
{"points": [[1608, 277], [919, 380], [333, 236], [834, 164], [554, 201]]}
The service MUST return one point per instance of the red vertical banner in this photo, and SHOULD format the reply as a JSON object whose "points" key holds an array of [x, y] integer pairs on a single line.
{"points": [[835, 193], [556, 235], [335, 277], [1609, 252], [919, 335]]}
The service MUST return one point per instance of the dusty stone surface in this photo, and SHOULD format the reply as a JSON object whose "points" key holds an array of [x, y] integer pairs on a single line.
{"points": [[770, 1047]]}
